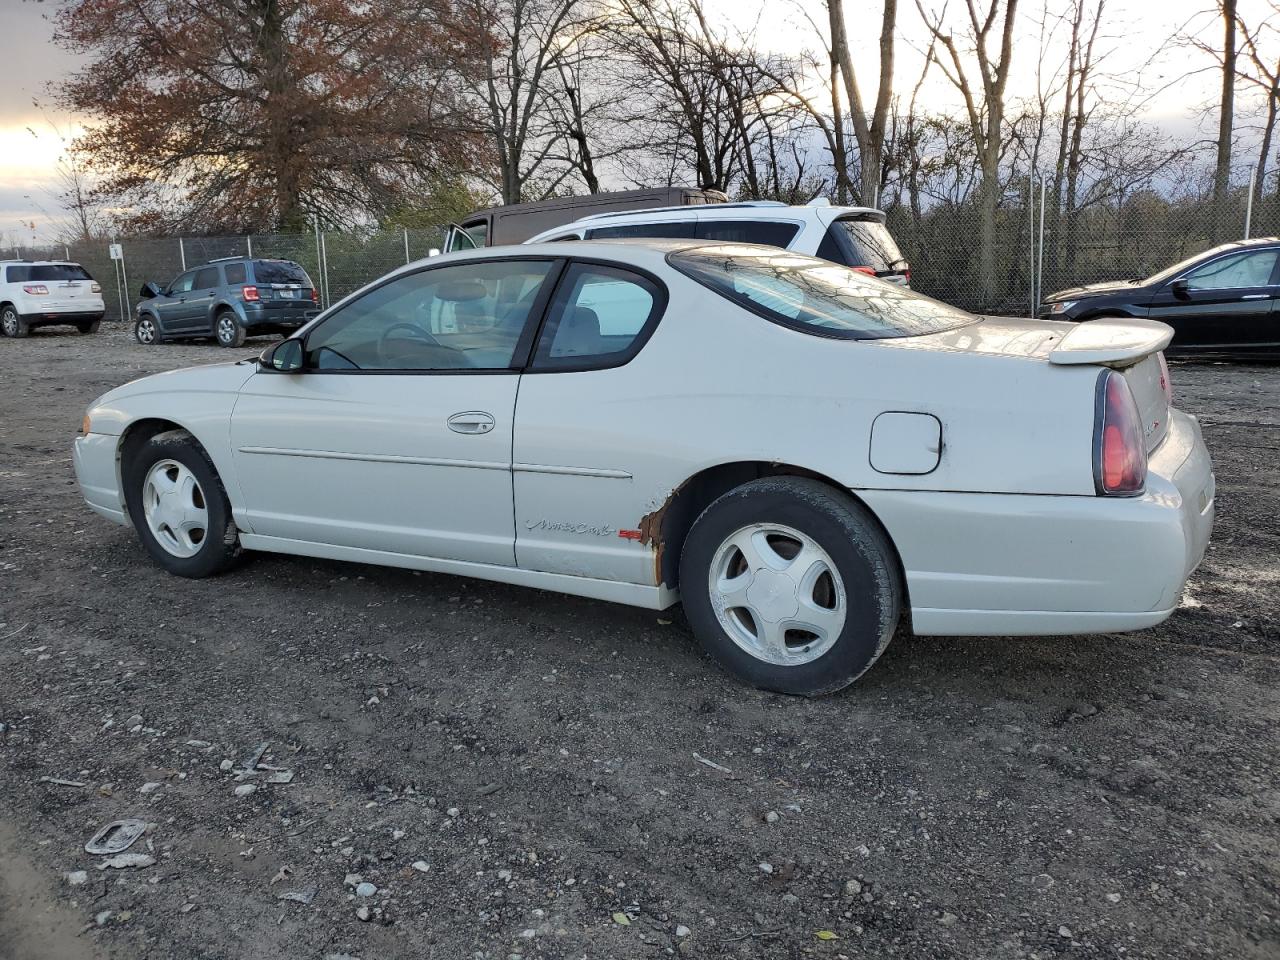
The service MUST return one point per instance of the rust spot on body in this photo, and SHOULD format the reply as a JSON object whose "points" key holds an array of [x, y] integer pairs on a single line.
{"points": [[650, 528]]}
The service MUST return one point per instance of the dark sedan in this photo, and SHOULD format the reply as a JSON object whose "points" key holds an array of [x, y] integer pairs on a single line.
{"points": [[1223, 301]]}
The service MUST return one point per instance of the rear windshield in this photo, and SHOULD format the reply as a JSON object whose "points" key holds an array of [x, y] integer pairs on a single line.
{"points": [[862, 243], [48, 272], [816, 296], [279, 271]]}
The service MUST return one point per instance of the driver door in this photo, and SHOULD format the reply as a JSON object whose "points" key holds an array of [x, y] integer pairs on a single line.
{"points": [[396, 436]]}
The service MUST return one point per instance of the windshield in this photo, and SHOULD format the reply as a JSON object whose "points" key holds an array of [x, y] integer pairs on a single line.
{"points": [[279, 271], [1182, 265], [816, 296]]}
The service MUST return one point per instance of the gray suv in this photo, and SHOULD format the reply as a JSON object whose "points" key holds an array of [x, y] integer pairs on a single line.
{"points": [[228, 300]]}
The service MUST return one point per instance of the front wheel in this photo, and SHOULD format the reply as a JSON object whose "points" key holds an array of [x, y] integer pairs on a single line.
{"points": [[179, 507], [790, 585], [227, 330], [12, 324], [146, 330]]}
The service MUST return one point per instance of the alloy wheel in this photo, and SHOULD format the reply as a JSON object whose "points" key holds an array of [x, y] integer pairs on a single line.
{"points": [[175, 508], [146, 331], [226, 329], [777, 594]]}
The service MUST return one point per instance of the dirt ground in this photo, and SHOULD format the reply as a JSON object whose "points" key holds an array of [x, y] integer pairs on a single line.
{"points": [[537, 757]]}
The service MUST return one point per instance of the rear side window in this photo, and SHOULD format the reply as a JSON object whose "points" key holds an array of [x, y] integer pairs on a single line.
{"points": [[235, 273], [50, 272], [769, 233], [279, 271], [671, 230], [862, 243], [17, 274], [815, 296], [206, 278], [600, 318]]}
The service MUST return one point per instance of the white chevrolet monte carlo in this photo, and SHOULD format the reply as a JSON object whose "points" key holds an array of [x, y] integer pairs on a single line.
{"points": [[798, 452]]}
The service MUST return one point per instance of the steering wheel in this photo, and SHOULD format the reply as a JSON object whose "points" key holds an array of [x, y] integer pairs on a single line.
{"points": [[413, 331]]}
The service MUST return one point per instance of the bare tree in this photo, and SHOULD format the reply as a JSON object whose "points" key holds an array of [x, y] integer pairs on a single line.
{"points": [[984, 103], [1263, 73], [1226, 115], [869, 130]]}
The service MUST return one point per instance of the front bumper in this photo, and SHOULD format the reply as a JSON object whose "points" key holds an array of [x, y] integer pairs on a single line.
{"points": [[1006, 565], [94, 456]]}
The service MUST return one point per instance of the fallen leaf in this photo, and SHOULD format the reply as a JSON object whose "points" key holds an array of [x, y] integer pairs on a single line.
{"points": [[621, 919], [827, 935]]}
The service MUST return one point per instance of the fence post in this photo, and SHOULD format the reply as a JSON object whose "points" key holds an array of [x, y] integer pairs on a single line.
{"points": [[182, 253], [124, 272], [315, 220], [1044, 189], [324, 268], [1248, 204], [1031, 237], [248, 242], [406, 244]]}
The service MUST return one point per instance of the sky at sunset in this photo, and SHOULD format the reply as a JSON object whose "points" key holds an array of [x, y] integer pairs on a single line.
{"points": [[32, 138]]}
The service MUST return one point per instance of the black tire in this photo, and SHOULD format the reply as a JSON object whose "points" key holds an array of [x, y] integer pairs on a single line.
{"points": [[220, 545], [859, 549], [146, 330], [90, 327], [227, 330], [11, 322]]}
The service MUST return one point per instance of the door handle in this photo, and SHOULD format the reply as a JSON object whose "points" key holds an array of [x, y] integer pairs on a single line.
{"points": [[472, 421], [1256, 296]]}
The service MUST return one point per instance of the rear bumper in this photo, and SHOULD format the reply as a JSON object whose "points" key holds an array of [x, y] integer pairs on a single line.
{"points": [[1006, 565], [94, 457], [277, 318], [63, 316]]}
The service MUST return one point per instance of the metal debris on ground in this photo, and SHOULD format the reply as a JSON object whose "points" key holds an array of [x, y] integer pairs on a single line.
{"points": [[116, 836], [710, 763], [123, 860], [59, 782], [303, 896], [251, 765]]}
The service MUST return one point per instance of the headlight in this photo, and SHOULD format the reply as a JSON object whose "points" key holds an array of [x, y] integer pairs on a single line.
{"points": [[1062, 306]]}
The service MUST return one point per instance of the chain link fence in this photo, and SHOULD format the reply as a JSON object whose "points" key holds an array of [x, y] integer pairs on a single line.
{"points": [[1035, 253]]}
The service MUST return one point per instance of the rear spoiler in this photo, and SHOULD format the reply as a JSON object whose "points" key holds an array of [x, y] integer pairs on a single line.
{"points": [[1112, 342]]}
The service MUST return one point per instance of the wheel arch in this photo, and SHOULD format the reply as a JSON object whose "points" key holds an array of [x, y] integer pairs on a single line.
{"points": [[667, 527], [137, 433]]}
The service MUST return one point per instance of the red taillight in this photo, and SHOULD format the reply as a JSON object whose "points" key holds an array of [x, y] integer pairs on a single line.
{"points": [[906, 275], [315, 295], [36, 290], [1120, 453], [867, 270], [250, 294]]}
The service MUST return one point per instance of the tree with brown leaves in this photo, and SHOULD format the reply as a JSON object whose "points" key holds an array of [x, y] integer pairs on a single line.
{"points": [[260, 114]]}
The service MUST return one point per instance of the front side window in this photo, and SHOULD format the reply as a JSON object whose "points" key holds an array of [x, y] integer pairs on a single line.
{"points": [[768, 232], [1252, 269], [816, 296], [183, 283], [599, 318], [206, 278], [671, 229], [464, 317]]}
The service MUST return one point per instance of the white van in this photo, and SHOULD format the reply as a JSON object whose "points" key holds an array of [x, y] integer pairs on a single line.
{"points": [[852, 236], [37, 293]]}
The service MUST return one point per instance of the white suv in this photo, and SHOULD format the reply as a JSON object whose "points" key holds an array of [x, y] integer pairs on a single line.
{"points": [[853, 236], [37, 293]]}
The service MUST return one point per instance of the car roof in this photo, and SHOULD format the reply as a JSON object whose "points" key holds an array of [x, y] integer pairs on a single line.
{"points": [[743, 210], [44, 263]]}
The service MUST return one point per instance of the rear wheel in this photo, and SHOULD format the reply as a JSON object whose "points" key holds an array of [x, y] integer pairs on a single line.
{"points": [[11, 324], [179, 507], [89, 327], [227, 330], [146, 330], [790, 585]]}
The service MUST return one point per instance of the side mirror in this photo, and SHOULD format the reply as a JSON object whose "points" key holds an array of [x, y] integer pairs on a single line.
{"points": [[283, 357], [1180, 289], [149, 290]]}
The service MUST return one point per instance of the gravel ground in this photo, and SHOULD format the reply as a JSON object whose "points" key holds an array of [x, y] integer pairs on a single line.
{"points": [[517, 773]]}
